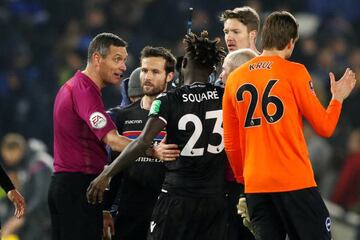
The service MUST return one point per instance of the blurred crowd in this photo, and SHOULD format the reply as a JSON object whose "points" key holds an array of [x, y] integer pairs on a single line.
{"points": [[44, 42]]}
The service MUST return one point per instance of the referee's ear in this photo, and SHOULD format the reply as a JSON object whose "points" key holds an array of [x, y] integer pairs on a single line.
{"points": [[95, 59]]}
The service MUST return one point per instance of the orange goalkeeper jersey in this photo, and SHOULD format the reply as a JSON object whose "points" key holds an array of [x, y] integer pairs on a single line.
{"points": [[263, 105]]}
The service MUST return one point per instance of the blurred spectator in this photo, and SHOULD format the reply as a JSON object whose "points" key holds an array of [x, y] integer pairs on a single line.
{"points": [[307, 52], [95, 22], [72, 62], [348, 8], [320, 154], [30, 168], [347, 189], [351, 108]]}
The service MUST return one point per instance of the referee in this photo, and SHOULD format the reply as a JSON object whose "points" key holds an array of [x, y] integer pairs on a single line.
{"points": [[81, 130]]}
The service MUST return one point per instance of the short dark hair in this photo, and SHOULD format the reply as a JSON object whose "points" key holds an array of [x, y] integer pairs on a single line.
{"points": [[202, 50], [246, 15], [13, 141], [102, 42], [279, 28], [170, 60]]}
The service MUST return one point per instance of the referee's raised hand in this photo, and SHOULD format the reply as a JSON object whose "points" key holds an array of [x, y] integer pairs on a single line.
{"points": [[95, 191]]}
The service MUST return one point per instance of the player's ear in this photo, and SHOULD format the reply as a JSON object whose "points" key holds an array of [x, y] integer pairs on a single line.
{"points": [[290, 44], [253, 35], [169, 76]]}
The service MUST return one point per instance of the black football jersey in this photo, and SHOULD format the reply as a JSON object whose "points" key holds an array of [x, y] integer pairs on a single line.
{"points": [[144, 178], [193, 117]]}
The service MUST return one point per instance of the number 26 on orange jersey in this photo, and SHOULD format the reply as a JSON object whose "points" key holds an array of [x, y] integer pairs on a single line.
{"points": [[266, 100]]}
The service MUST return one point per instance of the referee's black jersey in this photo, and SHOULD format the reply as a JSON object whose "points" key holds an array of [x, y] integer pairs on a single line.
{"points": [[193, 117], [142, 180]]}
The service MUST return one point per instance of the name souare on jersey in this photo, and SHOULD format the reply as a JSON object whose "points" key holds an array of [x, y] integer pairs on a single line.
{"points": [[193, 117]]}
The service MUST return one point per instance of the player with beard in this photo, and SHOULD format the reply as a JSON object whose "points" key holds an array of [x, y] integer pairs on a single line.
{"points": [[191, 205], [141, 183]]}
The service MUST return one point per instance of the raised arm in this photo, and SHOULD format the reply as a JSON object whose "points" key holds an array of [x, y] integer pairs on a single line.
{"points": [[322, 120]]}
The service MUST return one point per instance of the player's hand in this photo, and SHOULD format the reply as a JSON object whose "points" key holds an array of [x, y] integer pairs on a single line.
{"points": [[243, 212], [95, 191], [19, 203], [166, 152], [108, 224], [342, 88]]}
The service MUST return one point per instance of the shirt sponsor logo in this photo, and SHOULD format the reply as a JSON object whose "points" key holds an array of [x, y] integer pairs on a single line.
{"points": [[155, 107], [135, 121], [98, 120], [148, 159]]}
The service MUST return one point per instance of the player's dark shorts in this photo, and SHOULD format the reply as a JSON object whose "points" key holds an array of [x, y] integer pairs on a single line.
{"points": [[185, 218], [72, 217], [301, 214], [133, 221]]}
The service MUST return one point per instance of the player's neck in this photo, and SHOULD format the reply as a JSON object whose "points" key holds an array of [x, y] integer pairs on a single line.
{"points": [[196, 76], [146, 102], [93, 76], [253, 47], [274, 52]]}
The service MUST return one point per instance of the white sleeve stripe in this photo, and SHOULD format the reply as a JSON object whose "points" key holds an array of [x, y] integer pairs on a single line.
{"points": [[163, 119]]}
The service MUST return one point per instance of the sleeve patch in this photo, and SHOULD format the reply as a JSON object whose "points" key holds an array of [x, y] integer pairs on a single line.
{"points": [[97, 120], [311, 85], [155, 107]]}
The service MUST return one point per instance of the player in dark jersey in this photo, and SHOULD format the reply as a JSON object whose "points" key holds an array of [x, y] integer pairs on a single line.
{"points": [[191, 205], [141, 183]]}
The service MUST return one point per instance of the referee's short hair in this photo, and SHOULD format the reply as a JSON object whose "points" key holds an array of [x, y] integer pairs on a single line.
{"points": [[102, 42]]}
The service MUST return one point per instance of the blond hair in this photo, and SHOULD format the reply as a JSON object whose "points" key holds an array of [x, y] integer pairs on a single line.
{"points": [[236, 58]]}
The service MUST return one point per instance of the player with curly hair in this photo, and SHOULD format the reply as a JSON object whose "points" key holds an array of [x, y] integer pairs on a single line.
{"points": [[191, 205]]}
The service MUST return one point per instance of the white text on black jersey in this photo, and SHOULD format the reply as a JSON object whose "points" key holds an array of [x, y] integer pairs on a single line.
{"points": [[199, 97]]}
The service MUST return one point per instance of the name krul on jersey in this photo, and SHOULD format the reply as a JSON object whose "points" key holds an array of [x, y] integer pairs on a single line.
{"points": [[199, 97], [260, 65]]}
